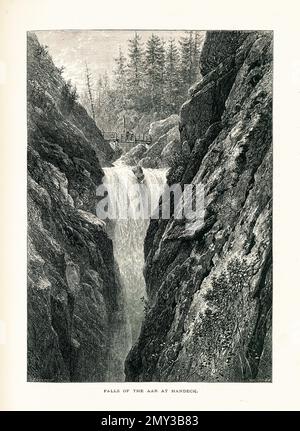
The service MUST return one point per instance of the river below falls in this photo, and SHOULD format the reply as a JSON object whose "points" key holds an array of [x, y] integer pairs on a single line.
{"points": [[128, 235]]}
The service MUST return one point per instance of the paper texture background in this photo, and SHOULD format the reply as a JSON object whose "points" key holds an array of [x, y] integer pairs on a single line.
{"points": [[19, 16]]}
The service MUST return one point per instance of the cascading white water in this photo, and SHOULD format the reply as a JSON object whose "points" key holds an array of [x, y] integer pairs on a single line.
{"points": [[128, 234]]}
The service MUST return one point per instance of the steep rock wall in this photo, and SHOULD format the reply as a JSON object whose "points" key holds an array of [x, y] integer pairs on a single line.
{"points": [[210, 289], [75, 302]]}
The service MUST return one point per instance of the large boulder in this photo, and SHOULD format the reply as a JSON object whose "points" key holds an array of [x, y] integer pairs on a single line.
{"points": [[161, 127], [139, 174], [170, 151], [155, 156], [133, 156]]}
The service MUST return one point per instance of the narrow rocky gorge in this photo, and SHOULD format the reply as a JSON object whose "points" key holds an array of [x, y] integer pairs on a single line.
{"points": [[210, 291], [127, 300]]}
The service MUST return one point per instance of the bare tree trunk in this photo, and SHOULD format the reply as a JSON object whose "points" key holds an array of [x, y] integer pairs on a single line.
{"points": [[89, 89]]}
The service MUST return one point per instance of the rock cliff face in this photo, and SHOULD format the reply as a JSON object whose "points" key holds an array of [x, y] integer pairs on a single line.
{"points": [[210, 291], [75, 302]]}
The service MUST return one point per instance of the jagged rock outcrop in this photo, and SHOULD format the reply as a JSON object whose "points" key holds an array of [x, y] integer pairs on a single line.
{"points": [[133, 156], [164, 148], [166, 143], [163, 151], [160, 128], [75, 302], [209, 288]]}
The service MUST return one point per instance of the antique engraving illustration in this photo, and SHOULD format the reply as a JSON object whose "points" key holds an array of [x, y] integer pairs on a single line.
{"points": [[149, 206]]}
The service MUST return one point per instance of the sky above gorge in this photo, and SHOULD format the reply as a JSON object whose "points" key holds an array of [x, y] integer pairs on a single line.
{"points": [[99, 48]]}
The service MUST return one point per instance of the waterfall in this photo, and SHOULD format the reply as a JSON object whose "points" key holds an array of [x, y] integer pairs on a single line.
{"points": [[128, 234]]}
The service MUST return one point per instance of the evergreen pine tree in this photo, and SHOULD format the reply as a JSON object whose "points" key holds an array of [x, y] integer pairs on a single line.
{"points": [[190, 53], [196, 54], [172, 78], [120, 86], [187, 56], [135, 71], [155, 73]]}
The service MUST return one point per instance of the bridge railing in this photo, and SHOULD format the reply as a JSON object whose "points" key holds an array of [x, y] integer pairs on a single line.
{"points": [[128, 137], [110, 135]]}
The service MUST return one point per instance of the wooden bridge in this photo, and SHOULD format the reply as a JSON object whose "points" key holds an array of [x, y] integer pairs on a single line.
{"points": [[127, 140]]}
